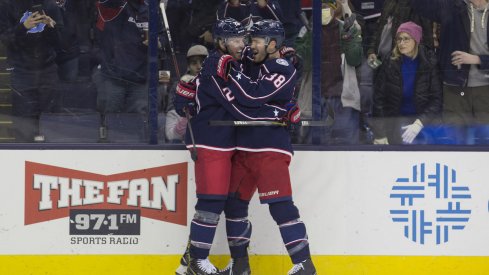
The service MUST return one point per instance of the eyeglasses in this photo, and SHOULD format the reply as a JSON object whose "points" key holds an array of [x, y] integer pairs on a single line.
{"points": [[400, 40]]}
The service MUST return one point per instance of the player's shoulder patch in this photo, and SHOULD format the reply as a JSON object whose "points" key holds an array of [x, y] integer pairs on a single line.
{"points": [[282, 62]]}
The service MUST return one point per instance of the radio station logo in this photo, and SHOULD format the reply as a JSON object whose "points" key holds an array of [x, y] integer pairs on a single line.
{"points": [[103, 202], [431, 203]]}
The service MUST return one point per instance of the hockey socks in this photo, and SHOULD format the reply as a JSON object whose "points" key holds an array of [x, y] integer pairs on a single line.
{"points": [[295, 239], [292, 229], [238, 227], [203, 227], [239, 232]]}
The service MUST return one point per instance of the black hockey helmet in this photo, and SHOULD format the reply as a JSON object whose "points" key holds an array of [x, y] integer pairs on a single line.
{"points": [[270, 30]]}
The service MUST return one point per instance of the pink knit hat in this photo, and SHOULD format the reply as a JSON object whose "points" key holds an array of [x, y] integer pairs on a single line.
{"points": [[415, 31]]}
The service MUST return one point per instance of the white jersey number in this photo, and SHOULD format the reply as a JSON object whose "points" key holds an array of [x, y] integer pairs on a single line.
{"points": [[228, 93], [277, 79]]}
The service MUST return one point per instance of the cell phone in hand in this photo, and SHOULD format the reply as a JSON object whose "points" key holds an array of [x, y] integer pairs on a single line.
{"points": [[37, 8]]}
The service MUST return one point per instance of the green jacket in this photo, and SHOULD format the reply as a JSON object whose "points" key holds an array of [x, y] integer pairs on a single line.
{"points": [[352, 48]]}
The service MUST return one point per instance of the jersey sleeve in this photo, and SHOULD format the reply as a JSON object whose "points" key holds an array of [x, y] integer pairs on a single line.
{"points": [[260, 112], [274, 86]]}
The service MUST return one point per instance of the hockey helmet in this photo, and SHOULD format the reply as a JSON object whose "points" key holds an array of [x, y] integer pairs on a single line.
{"points": [[270, 30], [197, 50], [226, 28]]}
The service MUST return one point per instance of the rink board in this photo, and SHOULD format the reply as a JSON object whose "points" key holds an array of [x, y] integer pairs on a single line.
{"points": [[365, 212], [260, 265]]}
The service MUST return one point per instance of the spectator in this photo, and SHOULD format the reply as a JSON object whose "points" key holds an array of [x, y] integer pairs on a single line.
{"points": [[244, 12], [337, 41], [369, 12], [408, 92], [69, 52], [291, 10], [178, 12], [303, 45], [31, 37], [202, 18], [122, 76], [394, 13], [175, 124], [464, 63]]}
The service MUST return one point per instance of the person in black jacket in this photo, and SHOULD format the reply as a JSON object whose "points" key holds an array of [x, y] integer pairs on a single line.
{"points": [[408, 93], [31, 37]]}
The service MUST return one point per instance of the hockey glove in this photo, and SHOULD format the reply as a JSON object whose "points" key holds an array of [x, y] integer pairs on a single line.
{"points": [[224, 66], [289, 54], [185, 98], [286, 52], [293, 115], [411, 131]]}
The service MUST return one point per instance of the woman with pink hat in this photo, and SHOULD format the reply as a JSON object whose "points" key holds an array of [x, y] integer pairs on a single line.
{"points": [[408, 94]]}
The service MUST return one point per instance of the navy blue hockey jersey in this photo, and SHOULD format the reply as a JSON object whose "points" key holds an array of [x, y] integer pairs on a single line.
{"points": [[215, 102], [275, 84]]}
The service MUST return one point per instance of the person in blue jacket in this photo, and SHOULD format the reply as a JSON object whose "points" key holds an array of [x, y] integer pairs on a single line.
{"points": [[464, 65], [122, 28]]}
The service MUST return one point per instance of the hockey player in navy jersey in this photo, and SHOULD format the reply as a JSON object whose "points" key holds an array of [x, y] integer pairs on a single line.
{"points": [[215, 145], [264, 153]]}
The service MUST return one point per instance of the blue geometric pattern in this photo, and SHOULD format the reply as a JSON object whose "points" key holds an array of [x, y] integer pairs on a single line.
{"points": [[439, 187]]}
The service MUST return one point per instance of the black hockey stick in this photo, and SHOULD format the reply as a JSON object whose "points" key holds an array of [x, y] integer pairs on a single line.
{"points": [[328, 122], [240, 123], [193, 151], [170, 42]]}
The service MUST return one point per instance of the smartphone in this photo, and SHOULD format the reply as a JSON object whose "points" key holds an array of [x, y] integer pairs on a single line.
{"points": [[37, 8]]}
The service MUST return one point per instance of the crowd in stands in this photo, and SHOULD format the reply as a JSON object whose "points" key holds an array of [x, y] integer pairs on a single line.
{"points": [[392, 71]]}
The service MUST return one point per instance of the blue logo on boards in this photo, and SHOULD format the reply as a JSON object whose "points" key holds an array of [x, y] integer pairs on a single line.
{"points": [[431, 203]]}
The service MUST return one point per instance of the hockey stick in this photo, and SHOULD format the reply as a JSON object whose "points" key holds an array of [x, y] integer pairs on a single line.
{"points": [[307, 123], [170, 42], [193, 152]]}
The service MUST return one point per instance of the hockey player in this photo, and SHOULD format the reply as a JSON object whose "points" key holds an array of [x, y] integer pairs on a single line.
{"points": [[215, 146], [264, 153]]}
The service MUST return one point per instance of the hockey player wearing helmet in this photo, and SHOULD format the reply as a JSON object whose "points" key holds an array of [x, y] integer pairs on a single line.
{"points": [[264, 153], [215, 145]]}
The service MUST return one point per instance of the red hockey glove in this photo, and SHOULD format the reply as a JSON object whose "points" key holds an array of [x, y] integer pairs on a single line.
{"points": [[224, 66], [293, 114], [289, 54], [286, 52], [184, 98], [186, 89]]}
